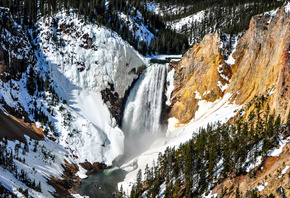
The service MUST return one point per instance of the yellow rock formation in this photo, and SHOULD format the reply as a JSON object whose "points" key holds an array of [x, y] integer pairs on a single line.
{"points": [[262, 63]]}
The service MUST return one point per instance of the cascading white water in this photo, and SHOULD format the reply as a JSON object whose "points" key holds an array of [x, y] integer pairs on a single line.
{"points": [[141, 119], [144, 105]]}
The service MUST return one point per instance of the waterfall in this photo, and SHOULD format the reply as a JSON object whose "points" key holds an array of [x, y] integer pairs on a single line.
{"points": [[142, 113], [144, 105]]}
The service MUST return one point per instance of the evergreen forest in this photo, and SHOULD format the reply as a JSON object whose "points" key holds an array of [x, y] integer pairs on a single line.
{"points": [[232, 16]]}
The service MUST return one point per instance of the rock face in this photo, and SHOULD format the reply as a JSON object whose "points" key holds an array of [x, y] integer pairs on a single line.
{"points": [[262, 61], [15, 50], [197, 77]]}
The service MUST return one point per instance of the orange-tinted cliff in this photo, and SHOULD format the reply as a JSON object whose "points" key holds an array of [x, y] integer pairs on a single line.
{"points": [[262, 62]]}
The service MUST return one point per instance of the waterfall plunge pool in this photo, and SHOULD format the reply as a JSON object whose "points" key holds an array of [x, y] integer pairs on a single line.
{"points": [[103, 184]]}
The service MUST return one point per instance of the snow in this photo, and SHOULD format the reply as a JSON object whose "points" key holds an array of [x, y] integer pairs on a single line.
{"points": [[178, 24], [287, 7], [162, 190], [250, 162], [84, 125], [173, 123], [36, 166], [261, 187], [209, 112], [219, 168], [221, 86], [170, 86], [206, 92], [139, 29], [79, 196], [272, 14], [277, 151], [285, 170], [197, 95], [210, 195], [82, 173], [164, 9], [153, 7], [220, 71], [231, 60], [109, 60]]}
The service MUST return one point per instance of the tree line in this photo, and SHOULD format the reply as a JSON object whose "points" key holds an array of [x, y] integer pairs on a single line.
{"points": [[26, 12], [231, 16]]}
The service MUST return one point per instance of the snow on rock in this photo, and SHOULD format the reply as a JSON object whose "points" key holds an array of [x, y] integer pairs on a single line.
{"points": [[275, 152], [81, 60], [285, 170], [272, 14], [170, 86], [251, 162], [164, 9], [261, 187], [287, 7], [197, 95], [231, 60], [88, 55], [209, 195], [221, 86], [189, 20], [137, 27], [42, 160]]}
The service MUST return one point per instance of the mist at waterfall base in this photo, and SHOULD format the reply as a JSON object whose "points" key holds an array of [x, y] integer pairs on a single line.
{"points": [[141, 122], [141, 126]]}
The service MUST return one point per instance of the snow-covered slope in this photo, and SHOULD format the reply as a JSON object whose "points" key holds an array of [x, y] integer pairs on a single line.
{"points": [[136, 25], [88, 55], [74, 61], [82, 60]]}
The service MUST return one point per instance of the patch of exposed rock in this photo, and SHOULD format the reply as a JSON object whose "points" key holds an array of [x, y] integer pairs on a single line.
{"points": [[262, 61], [262, 67], [197, 76]]}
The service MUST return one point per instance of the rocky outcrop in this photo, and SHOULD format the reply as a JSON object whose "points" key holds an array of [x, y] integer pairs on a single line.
{"points": [[198, 76], [262, 61], [15, 50], [114, 102], [96, 167], [261, 67]]}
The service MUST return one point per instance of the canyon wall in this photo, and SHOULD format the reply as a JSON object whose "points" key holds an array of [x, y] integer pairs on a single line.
{"points": [[260, 67]]}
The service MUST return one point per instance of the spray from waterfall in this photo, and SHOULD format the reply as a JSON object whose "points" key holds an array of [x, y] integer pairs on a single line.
{"points": [[141, 120]]}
